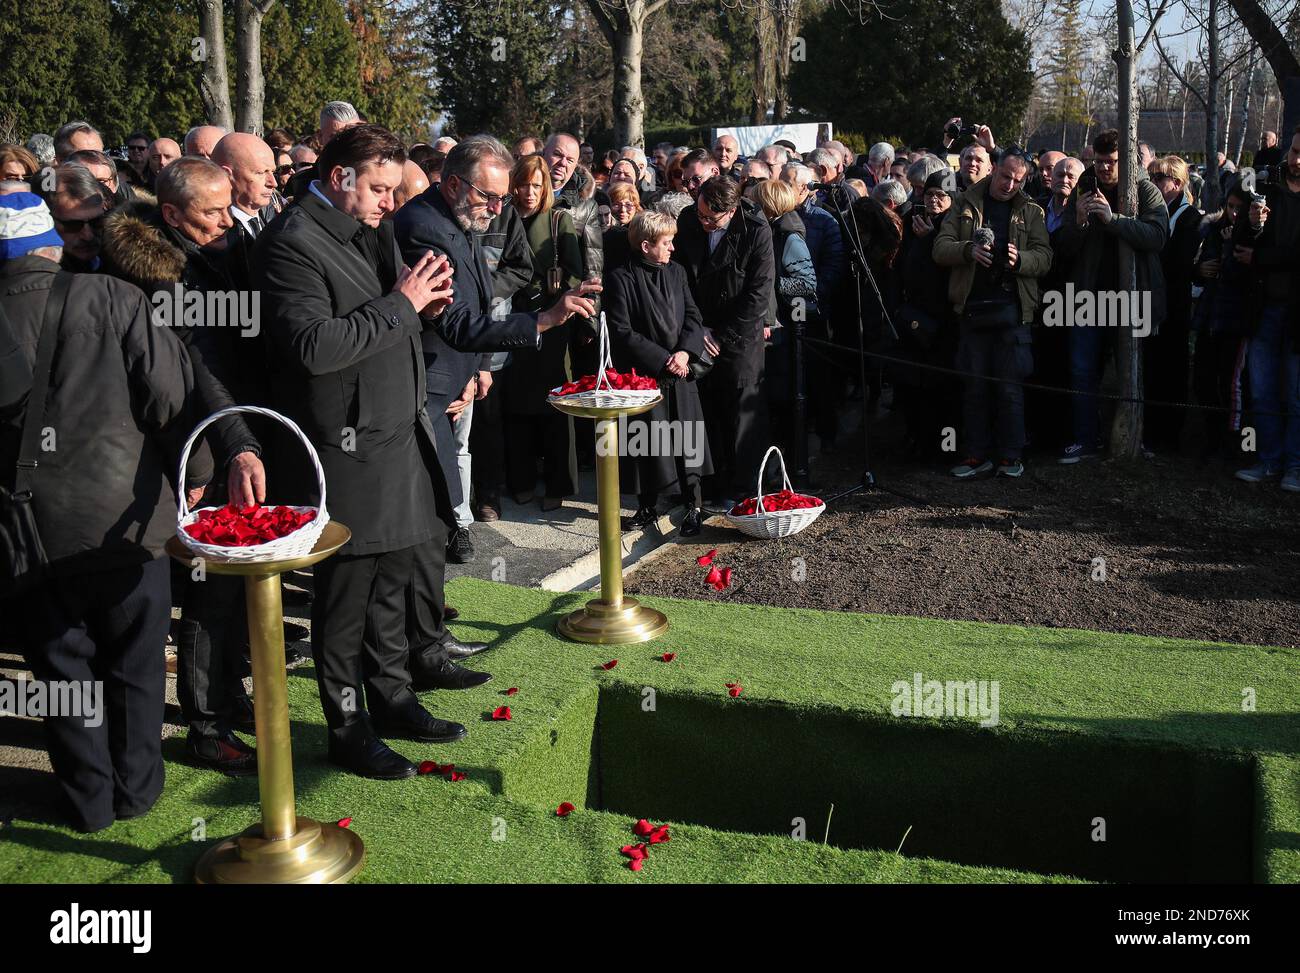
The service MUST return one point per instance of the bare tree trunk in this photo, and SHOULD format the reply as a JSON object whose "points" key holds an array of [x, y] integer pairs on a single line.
{"points": [[623, 24], [787, 26], [250, 85], [1210, 194], [1227, 104], [1245, 107], [1126, 431], [214, 83], [1272, 43]]}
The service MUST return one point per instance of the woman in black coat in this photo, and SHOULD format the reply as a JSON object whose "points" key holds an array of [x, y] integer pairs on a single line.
{"points": [[655, 327]]}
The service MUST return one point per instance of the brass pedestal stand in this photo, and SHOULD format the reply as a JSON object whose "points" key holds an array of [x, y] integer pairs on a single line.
{"points": [[610, 619], [283, 848]]}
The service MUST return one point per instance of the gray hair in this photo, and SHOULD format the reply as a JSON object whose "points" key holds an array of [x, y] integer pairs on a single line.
{"points": [[826, 157], [889, 191], [796, 172], [42, 146], [83, 156], [63, 137], [77, 183], [924, 167], [339, 111], [178, 183], [468, 155], [673, 203], [881, 152]]}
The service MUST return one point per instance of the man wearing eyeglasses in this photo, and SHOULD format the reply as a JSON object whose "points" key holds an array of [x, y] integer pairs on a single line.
{"points": [[448, 219], [78, 203]]}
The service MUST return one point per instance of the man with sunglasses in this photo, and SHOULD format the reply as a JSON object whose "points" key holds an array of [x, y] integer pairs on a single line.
{"points": [[136, 170], [78, 203]]}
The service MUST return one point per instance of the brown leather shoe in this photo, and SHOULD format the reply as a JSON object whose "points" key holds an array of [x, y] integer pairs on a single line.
{"points": [[552, 503], [488, 511]]}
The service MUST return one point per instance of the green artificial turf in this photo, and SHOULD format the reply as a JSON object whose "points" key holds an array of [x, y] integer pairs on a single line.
{"points": [[1147, 733]]}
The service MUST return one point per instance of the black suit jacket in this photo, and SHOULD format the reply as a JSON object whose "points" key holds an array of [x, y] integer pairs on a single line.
{"points": [[732, 286], [454, 342], [348, 368]]}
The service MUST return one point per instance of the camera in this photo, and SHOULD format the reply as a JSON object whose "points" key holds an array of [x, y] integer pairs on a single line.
{"points": [[956, 131]]}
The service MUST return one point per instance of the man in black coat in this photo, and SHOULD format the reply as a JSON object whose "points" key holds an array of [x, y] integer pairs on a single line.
{"points": [[343, 315], [101, 472], [444, 221], [726, 247]]}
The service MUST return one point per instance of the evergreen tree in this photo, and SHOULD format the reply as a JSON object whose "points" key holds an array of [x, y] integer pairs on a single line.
{"points": [[309, 56], [1066, 98]]}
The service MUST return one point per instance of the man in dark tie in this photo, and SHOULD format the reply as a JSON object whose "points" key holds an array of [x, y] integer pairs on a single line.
{"points": [[251, 165], [446, 220]]}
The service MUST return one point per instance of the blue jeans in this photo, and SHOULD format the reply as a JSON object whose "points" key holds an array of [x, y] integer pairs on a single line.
{"points": [[1273, 364], [1088, 349]]}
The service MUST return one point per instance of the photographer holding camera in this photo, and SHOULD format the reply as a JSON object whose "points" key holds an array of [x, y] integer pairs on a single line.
{"points": [[995, 241]]}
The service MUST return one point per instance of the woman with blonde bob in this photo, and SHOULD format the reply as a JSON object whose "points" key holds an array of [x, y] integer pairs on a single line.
{"points": [[655, 327], [1165, 352]]}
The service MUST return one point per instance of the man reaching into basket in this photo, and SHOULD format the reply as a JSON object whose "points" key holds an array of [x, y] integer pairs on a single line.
{"points": [[345, 321]]}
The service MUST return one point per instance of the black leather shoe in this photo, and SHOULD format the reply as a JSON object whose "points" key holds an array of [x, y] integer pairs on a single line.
{"points": [[228, 754], [418, 724], [372, 757], [446, 675], [449, 614], [644, 517], [457, 649], [460, 549], [691, 523]]}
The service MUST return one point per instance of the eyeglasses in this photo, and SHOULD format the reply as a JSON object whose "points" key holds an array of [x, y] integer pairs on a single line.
{"points": [[695, 180], [137, 148], [288, 170], [76, 226], [490, 198]]}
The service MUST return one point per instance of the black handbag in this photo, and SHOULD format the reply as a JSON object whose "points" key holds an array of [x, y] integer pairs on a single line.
{"points": [[22, 555], [699, 365]]}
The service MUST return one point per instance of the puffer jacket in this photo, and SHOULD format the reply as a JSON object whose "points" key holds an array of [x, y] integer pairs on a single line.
{"points": [[121, 404]]}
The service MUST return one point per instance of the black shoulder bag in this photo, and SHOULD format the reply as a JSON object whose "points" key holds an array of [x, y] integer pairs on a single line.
{"points": [[22, 555]]}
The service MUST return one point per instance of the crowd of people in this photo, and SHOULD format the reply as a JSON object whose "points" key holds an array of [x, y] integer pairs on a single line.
{"points": [[410, 307]]}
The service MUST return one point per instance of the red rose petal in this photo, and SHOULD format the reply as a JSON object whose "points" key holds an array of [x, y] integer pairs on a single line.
{"points": [[714, 577], [501, 713], [668, 657], [563, 810], [609, 665], [345, 822], [512, 690], [429, 767], [726, 577], [642, 828], [635, 852], [658, 835], [734, 690], [456, 775], [635, 864], [704, 560]]}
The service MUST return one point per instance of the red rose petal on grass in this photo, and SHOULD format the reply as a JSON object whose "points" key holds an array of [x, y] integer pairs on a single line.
{"points": [[429, 767], [734, 689], [345, 822], [501, 713], [642, 828], [512, 690], [636, 852], [668, 657], [636, 864], [658, 835], [609, 665], [704, 560], [563, 810], [456, 775]]}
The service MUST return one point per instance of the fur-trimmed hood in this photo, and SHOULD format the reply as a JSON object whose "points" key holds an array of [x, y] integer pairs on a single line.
{"points": [[137, 247]]}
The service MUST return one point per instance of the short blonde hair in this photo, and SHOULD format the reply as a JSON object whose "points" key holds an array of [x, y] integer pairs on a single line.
{"points": [[776, 197], [648, 226], [1173, 167]]}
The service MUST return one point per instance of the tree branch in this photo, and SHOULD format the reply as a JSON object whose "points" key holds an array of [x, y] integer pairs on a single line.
{"points": [[1177, 74]]}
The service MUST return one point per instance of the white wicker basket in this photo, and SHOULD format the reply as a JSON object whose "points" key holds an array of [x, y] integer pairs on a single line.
{"points": [[774, 523], [295, 544], [607, 397]]}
